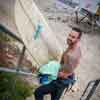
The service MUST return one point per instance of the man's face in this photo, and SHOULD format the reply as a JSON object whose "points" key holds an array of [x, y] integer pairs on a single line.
{"points": [[72, 38]]}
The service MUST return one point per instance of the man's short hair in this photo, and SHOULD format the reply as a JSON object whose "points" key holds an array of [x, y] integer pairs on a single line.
{"points": [[77, 30]]}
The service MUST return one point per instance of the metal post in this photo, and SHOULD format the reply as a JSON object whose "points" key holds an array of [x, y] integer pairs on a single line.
{"points": [[21, 57]]}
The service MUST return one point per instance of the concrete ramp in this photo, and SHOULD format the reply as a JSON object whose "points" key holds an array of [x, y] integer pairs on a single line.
{"points": [[26, 18]]}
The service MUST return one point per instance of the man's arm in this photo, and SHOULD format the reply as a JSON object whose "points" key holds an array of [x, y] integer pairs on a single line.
{"points": [[68, 68], [62, 61]]}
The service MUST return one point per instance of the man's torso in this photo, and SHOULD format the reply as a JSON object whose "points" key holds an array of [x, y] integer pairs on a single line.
{"points": [[69, 61]]}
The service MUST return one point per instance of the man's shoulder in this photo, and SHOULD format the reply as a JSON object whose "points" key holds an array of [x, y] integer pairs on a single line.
{"points": [[77, 52]]}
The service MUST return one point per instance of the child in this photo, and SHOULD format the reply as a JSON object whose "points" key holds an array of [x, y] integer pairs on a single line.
{"points": [[49, 72]]}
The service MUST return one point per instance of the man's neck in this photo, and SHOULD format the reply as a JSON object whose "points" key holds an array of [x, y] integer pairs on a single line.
{"points": [[72, 47]]}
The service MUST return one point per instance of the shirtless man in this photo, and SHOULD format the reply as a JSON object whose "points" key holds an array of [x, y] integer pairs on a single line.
{"points": [[69, 61]]}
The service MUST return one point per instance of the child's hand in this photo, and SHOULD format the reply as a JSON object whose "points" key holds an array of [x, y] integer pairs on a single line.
{"points": [[34, 69]]}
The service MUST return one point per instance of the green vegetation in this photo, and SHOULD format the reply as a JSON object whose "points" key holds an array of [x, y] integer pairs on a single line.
{"points": [[99, 3], [12, 87], [5, 38]]}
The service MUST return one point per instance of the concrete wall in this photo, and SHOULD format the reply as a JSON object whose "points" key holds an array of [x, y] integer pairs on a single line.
{"points": [[8, 6]]}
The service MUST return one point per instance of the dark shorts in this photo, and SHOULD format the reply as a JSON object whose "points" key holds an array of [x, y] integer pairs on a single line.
{"points": [[67, 81]]}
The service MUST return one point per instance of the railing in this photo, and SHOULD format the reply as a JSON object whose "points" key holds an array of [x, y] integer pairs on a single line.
{"points": [[91, 89], [17, 70]]}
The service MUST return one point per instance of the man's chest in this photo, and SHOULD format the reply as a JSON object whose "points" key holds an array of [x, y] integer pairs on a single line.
{"points": [[71, 56]]}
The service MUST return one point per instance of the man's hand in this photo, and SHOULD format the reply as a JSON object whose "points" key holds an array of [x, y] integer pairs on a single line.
{"points": [[63, 74]]}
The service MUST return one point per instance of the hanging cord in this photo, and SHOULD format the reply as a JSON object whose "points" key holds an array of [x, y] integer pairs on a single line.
{"points": [[33, 26]]}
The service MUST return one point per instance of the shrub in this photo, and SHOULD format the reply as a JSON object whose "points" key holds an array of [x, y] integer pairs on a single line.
{"points": [[12, 87]]}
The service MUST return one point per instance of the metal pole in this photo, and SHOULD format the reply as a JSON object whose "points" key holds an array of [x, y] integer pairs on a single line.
{"points": [[21, 57], [17, 72]]}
